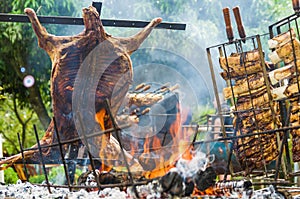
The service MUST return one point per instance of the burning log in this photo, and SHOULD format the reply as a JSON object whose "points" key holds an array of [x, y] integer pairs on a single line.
{"points": [[69, 54], [174, 183], [205, 179]]}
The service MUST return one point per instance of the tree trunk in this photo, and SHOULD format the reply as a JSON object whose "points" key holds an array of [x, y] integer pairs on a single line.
{"points": [[39, 106]]}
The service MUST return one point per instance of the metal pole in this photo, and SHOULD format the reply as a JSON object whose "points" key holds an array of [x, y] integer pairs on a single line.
{"points": [[218, 103], [121, 146], [89, 154], [42, 158], [62, 155], [23, 157]]}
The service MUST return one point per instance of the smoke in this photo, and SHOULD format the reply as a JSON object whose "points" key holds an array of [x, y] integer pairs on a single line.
{"points": [[183, 51], [168, 52]]}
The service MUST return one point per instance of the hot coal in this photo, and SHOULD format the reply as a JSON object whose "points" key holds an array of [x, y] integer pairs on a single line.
{"points": [[172, 183], [108, 178], [189, 186], [205, 179]]}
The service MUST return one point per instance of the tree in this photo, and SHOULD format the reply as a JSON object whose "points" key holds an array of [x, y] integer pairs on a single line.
{"points": [[19, 57]]}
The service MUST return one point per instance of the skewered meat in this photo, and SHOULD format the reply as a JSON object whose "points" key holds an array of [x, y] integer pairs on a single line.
{"points": [[285, 52], [260, 117], [292, 89], [284, 48], [256, 161], [144, 99], [254, 147], [239, 64], [72, 54], [237, 59], [257, 100], [296, 144], [295, 122], [282, 39], [281, 73], [241, 70], [252, 103], [243, 86]]}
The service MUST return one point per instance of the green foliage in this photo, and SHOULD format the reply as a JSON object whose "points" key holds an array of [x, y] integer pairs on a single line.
{"points": [[56, 175], [1, 95], [37, 179], [10, 126], [200, 113], [19, 49], [10, 176]]}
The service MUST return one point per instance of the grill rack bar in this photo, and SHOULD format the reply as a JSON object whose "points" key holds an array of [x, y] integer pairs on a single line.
{"points": [[64, 161]]}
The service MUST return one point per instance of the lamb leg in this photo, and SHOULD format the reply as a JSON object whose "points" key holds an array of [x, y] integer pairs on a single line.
{"points": [[133, 43]]}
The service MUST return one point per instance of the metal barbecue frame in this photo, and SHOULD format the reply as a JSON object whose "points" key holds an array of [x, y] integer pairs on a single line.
{"points": [[241, 46], [64, 162]]}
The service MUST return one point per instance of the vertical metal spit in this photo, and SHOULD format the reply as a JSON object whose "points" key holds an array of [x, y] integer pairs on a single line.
{"points": [[218, 103], [89, 153], [23, 159], [117, 133], [62, 155], [42, 158]]}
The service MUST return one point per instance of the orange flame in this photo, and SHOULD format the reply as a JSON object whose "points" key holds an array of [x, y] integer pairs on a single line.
{"points": [[210, 191], [180, 146], [103, 140]]}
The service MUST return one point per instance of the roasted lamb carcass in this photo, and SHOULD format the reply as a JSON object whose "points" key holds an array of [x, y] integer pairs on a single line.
{"points": [[91, 52]]}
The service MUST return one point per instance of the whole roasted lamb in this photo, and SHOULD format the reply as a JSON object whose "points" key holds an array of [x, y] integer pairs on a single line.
{"points": [[106, 60]]}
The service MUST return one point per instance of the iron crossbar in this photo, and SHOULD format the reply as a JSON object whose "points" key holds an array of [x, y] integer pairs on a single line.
{"points": [[5, 17]]}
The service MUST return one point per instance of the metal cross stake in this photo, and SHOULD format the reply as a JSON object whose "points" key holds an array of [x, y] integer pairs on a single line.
{"points": [[4, 17]]}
